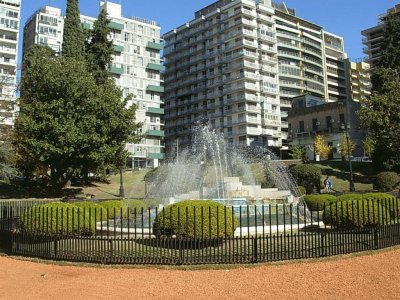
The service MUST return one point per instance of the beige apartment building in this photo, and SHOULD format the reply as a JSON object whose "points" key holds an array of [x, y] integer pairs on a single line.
{"points": [[238, 64], [10, 15], [358, 80]]}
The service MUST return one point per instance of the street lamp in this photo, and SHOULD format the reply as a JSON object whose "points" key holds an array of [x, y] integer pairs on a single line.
{"points": [[121, 184], [346, 130]]}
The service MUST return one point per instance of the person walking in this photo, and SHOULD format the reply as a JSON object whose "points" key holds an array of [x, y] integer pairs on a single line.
{"points": [[328, 184]]}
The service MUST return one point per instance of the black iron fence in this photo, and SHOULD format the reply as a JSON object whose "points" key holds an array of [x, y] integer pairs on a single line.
{"points": [[200, 235]]}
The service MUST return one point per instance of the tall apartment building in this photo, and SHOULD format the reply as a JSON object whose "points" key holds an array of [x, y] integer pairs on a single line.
{"points": [[358, 80], [238, 64], [44, 27], [9, 28], [136, 69], [373, 37]]}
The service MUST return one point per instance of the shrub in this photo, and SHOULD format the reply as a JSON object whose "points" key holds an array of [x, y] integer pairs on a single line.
{"points": [[302, 189], [308, 176], [95, 210], [135, 204], [57, 218], [192, 224], [386, 181], [355, 214], [114, 207], [316, 202]]}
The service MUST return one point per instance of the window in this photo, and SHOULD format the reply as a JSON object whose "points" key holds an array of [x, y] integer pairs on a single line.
{"points": [[329, 122], [341, 119], [301, 126], [315, 124]]}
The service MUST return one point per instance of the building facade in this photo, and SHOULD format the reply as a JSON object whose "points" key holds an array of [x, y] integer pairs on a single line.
{"points": [[358, 80], [136, 68], [311, 116], [238, 64], [10, 15], [373, 37]]}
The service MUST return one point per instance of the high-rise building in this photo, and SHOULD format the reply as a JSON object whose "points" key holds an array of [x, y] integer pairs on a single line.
{"points": [[136, 68], [358, 80], [373, 37], [9, 29], [44, 27], [238, 64]]}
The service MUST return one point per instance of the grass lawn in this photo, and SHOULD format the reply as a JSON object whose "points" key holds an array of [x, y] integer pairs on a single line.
{"points": [[363, 174]]}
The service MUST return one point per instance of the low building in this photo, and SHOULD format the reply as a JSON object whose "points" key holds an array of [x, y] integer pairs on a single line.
{"points": [[310, 117]]}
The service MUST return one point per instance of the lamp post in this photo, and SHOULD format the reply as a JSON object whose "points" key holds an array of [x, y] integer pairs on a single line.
{"points": [[346, 130], [121, 184]]}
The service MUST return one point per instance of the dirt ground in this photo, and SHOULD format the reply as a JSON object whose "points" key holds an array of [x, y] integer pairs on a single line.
{"points": [[374, 276]]}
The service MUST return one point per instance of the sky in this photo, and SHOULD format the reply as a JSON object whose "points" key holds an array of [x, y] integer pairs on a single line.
{"points": [[346, 18]]}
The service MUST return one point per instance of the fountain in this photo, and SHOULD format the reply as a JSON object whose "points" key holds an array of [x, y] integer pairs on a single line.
{"points": [[237, 177]]}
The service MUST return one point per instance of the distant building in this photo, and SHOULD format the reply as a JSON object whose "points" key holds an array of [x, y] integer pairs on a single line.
{"points": [[10, 15], [373, 37], [238, 64], [358, 80], [136, 68], [309, 118]]}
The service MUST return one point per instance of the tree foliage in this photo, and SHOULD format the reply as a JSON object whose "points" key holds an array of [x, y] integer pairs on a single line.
{"points": [[7, 161], [99, 49], [67, 121], [346, 147], [369, 146], [298, 152], [73, 38], [321, 147]]}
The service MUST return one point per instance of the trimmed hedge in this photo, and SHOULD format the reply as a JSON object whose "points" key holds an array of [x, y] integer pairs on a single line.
{"points": [[386, 181], [139, 205], [188, 214], [308, 176], [356, 213], [95, 210], [316, 202], [114, 208], [57, 218]]}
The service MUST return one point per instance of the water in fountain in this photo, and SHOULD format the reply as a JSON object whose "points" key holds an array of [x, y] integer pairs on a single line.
{"points": [[213, 169]]}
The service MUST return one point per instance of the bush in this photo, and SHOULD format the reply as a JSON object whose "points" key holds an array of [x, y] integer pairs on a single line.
{"points": [[139, 205], [386, 181], [114, 207], [57, 218], [95, 210], [308, 176], [302, 189], [316, 202], [355, 213], [192, 225]]}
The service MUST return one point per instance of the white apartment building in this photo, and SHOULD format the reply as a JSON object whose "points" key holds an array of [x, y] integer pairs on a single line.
{"points": [[44, 27], [239, 63], [136, 69], [9, 35], [358, 80]]}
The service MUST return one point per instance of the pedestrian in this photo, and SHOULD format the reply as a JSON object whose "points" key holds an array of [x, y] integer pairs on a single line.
{"points": [[328, 184]]}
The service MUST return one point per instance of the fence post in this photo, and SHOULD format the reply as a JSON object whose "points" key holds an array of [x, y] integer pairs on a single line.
{"points": [[110, 245], [255, 249], [55, 247], [322, 248], [376, 238], [180, 259]]}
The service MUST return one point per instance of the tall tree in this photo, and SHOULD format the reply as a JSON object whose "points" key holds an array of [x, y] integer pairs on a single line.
{"points": [[67, 121], [73, 40], [381, 112], [346, 147], [99, 49]]}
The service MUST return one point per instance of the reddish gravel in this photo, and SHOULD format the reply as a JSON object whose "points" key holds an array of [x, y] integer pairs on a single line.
{"points": [[363, 277]]}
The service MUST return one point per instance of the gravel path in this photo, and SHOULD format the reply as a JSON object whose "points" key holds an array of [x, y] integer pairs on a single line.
{"points": [[362, 277]]}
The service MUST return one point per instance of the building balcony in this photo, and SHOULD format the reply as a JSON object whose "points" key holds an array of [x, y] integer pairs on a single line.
{"points": [[154, 45], [155, 88], [155, 155], [118, 48], [116, 70], [159, 133], [155, 67], [115, 25], [156, 110]]}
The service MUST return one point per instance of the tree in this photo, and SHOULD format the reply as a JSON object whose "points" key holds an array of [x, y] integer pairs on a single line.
{"points": [[67, 121], [321, 148], [345, 148], [7, 161], [298, 152], [369, 146], [99, 49], [73, 39]]}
